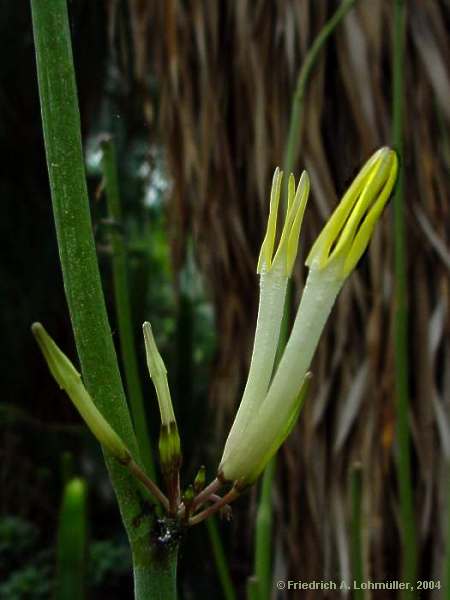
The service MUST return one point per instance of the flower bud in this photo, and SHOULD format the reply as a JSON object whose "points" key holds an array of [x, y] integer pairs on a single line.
{"points": [[200, 480], [69, 380], [188, 496], [286, 251], [348, 231], [169, 440]]}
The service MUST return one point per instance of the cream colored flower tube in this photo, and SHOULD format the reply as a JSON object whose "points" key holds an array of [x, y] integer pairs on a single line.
{"points": [[274, 274], [334, 255]]}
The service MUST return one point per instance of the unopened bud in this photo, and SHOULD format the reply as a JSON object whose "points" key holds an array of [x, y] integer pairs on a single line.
{"points": [[69, 380], [200, 480], [188, 496]]}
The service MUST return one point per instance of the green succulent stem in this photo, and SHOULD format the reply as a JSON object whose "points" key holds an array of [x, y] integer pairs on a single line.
{"points": [[61, 124], [62, 137], [155, 571]]}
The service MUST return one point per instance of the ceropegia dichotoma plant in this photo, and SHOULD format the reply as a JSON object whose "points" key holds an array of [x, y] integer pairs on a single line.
{"points": [[271, 401]]}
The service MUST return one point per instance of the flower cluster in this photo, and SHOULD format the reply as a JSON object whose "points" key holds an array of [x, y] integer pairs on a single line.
{"points": [[274, 393], [268, 412]]}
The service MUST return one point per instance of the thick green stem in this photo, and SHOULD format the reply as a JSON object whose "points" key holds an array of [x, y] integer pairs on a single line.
{"points": [[401, 317], [123, 307], [61, 124], [356, 531], [155, 573]]}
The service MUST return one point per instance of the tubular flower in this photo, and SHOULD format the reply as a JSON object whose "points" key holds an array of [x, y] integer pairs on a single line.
{"points": [[69, 380], [271, 414], [274, 269]]}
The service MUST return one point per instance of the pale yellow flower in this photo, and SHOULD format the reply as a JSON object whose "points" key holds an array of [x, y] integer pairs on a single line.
{"points": [[268, 412]]}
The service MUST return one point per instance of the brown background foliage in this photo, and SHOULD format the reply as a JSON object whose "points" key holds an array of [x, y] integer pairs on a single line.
{"points": [[226, 73]]}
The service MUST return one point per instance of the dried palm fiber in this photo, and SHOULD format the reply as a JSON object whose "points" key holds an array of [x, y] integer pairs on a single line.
{"points": [[226, 74]]}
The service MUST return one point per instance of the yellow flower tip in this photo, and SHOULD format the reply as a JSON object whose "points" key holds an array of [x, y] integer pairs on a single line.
{"points": [[347, 233], [296, 212], [288, 244], [266, 254]]}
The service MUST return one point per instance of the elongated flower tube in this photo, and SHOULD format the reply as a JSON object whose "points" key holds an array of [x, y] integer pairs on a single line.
{"points": [[69, 380], [169, 440], [274, 269], [332, 258]]}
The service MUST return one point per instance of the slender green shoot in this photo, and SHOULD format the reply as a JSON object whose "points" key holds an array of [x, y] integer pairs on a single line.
{"points": [[220, 560], [72, 543], [264, 518], [123, 306], [297, 112], [356, 530], [407, 518], [252, 591], [263, 534]]}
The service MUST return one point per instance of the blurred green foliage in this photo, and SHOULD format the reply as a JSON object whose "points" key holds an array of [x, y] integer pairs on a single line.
{"points": [[27, 567], [17, 537], [31, 582], [107, 561]]}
